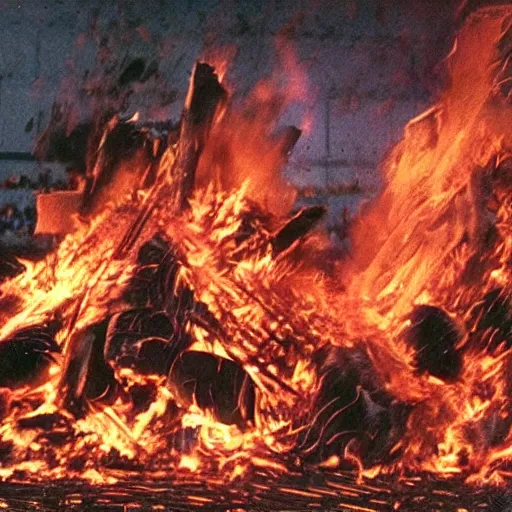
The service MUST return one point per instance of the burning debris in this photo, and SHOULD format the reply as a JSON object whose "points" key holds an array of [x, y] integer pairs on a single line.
{"points": [[184, 324]]}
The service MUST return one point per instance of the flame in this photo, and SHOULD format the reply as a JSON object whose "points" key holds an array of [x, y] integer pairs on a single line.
{"points": [[82, 282], [430, 223], [246, 147], [227, 294]]}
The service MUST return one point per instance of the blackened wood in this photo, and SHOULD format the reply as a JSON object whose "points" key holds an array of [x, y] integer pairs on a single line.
{"points": [[203, 99], [435, 336], [119, 142], [297, 227], [290, 136], [351, 406], [492, 321], [26, 354], [215, 384], [9, 267], [86, 375], [74, 374], [140, 339], [144, 289]]}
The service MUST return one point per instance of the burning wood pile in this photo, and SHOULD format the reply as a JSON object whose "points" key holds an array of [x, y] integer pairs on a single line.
{"points": [[186, 326]]}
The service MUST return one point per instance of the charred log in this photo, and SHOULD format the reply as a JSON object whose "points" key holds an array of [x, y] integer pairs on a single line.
{"points": [[150, 336], [101, 382], [144, 340], [154, 283], [141, 291], [86, 374], [340, 413], [120, 140], [175, 299], [435, 336], [289, 137], [26, 355], [74, 374], [5, 403], [47, 421], [142, 396], [10, 267], [204, 97], [297, 228], [492, 321], [153, 251], [215, 384], [126, 330], [351, 408]]}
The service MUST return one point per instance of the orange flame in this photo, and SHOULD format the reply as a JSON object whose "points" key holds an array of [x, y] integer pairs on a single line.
{"points": [[275, 316]]}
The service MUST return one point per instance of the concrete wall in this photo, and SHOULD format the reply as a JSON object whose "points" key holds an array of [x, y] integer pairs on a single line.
{"points": [[371, 65]]}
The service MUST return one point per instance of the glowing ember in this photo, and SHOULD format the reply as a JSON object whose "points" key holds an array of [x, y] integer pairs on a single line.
{"points": [[185, 326]]}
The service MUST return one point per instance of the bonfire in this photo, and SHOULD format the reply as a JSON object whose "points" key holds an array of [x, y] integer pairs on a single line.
{"points": [[187, 329]]}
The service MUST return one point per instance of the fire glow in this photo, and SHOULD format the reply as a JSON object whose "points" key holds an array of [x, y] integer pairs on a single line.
{"points": [[185, 327]]}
